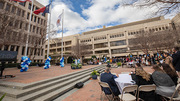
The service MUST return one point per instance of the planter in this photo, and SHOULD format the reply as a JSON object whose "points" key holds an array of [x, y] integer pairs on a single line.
{"points": [[73, 67], [94, 77]]}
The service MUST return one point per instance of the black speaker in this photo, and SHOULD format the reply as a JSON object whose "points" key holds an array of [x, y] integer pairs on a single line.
{"points": [[79, 85]]}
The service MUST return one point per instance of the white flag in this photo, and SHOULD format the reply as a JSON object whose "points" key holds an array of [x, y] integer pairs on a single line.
{"points": [[58, 23]]}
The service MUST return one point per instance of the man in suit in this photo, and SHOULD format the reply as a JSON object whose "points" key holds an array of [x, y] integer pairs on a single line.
{"points": [[176, 59], [109, 78]]}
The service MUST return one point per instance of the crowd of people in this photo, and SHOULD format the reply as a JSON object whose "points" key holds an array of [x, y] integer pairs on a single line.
{"points": [[165, 76]]}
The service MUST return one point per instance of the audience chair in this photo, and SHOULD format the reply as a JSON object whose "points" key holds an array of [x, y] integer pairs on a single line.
{"points": [[176, 91], [146, 88], [126, 96], [105, 85]]}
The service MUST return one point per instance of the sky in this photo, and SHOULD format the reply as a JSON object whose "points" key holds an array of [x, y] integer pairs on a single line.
{"points": [[85, 15]]}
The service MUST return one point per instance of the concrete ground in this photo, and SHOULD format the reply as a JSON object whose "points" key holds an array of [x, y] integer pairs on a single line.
{"points": [[90, 92]]}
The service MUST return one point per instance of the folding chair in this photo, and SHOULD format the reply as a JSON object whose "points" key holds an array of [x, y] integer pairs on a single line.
{"points": [[105, 85], [176, 91], [126, 96], [146, 88]]}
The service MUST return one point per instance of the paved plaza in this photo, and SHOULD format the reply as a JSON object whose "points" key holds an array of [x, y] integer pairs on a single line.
{"points": [[90, 92]]}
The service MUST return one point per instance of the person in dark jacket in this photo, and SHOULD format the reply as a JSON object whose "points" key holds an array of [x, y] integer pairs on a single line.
{"points": [[172, 73], [109, 78], [176, 59], [143, 78]]}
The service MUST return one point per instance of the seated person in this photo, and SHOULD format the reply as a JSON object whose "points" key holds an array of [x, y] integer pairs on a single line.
{"points": [[172, 73], [143, 78], [108, 78], [165, 85]]}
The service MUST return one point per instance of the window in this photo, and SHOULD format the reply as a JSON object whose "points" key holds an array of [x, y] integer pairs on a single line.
{"points": [[166, 27], [37, 30], [19, 12], [29, 6], [35, 51], [41, 21], [6, 47], [35, 19], [21, 24], [17, 23], [38, 20], [101, 45], [22, 3], [42, 52], [37, 8], [7, 7], [23, 13], [13, 10], [31, 17], [12, 48], [30, 28], [28, 15], [118, 51], [11, 23], [34, 28], [23, 51], [26, 28], [1, 5], [118, 43]]}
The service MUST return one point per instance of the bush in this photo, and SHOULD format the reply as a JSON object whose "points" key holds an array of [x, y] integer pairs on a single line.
{"points": [[119, 64], [73, 65], [79, 65], [34, 63], [94, 73]]}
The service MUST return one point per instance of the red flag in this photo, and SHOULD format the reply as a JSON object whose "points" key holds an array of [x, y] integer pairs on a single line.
{"points": [[42, 10], [22, 0]]}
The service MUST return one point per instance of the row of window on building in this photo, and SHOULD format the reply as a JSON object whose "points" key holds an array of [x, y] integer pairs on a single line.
{"points": [[116, 35], [32, 51]]}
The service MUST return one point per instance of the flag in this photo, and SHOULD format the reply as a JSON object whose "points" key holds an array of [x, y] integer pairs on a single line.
{"points": [[42, 10], [59, 20], [22, 0]]}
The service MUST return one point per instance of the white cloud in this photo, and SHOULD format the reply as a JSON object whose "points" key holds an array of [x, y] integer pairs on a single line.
{"points": [[101, 12]]}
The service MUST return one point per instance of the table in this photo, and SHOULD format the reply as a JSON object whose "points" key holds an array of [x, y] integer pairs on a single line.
{"points": [[123, 80]]}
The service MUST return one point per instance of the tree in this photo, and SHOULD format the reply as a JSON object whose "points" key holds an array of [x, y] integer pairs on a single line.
{"points": [[80, 50], [8, 27], [157, 41], [163, 7]]}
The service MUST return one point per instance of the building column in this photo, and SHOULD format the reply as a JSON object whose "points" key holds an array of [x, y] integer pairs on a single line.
{"points": [[109, 46], [127, 42], [92, 39]]}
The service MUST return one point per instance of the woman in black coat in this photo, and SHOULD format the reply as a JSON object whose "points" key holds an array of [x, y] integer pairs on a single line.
{"points": [[144, 78]]}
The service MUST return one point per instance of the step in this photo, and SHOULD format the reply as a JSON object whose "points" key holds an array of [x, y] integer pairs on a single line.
{"points": [[15, 93], [15, 85], [39, 93], [19, 93], [53, 95], [42, 92]]}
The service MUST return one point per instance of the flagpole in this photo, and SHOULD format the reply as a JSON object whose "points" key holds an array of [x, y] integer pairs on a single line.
{"points": [[62, 34], [27, 40], [49, 29]]}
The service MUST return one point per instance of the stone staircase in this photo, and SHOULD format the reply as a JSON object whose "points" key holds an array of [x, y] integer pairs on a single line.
{"points": [[45, 90]]}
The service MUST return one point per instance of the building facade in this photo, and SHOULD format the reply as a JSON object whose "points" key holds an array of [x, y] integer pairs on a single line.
{"points": [[18, 29], [114, 41]]}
